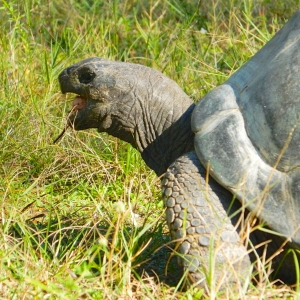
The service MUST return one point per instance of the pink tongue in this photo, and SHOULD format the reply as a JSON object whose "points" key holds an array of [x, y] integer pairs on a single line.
{"points": [[79, 103]]}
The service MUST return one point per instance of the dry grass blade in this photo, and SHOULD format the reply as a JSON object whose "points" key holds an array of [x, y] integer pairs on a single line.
{"points": [[68, 124]]}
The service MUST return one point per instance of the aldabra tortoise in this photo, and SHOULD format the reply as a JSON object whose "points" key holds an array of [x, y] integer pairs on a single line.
{"points": [[245, 134]]}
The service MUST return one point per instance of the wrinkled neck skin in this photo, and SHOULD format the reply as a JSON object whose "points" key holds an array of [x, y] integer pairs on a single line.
{"points": [[155, 118]]}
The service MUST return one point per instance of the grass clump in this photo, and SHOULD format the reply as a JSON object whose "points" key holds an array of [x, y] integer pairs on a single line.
{"points": [[82, 219]]}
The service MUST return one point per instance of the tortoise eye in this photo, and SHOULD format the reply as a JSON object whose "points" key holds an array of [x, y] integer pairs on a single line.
{"points": [[86, 76]]}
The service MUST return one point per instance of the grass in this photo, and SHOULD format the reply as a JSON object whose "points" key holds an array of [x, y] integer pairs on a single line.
{"points": [[82, 219]]}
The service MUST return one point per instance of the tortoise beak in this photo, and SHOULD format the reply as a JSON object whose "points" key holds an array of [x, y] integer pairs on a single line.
{"points": [[67, 85]]}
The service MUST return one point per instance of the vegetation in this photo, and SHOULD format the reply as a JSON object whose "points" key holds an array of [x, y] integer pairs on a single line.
{"points": [[83, 219]]}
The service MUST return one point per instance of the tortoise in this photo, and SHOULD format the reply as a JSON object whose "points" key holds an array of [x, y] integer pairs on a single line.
{"points": [[225, 163]]}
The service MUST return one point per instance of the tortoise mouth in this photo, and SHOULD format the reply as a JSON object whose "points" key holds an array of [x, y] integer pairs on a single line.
{"points": [[79, 103], [78, 106]]}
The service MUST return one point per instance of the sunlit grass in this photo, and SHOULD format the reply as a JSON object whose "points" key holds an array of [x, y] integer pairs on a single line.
{"points": [[82, 219]]}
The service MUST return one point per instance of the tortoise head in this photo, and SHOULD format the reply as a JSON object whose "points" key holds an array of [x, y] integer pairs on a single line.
{"points": [[100, 86]]}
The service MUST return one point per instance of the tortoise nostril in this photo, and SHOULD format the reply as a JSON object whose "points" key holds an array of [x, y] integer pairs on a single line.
{"points": [[86, 76], [69, 70]]}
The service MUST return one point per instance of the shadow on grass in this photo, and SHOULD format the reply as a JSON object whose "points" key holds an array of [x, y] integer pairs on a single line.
{"points": [[78, 243]]}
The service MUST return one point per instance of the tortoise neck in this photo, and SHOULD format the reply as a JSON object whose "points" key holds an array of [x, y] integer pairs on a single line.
{"points": [[159, 137], [154, 117], [170, 144]]}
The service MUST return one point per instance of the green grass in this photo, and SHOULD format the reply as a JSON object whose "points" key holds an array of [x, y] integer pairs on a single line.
{"points": [[83, 219]]}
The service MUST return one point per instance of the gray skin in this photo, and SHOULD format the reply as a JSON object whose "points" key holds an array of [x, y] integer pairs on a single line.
{"points": [[241, 139]]}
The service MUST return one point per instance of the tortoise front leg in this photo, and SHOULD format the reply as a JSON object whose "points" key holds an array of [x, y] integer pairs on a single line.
{"points": [[209, 247]]}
